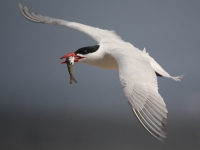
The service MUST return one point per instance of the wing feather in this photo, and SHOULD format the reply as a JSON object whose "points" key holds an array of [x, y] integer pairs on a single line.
{"points": [[139, 82], [96, 33]]}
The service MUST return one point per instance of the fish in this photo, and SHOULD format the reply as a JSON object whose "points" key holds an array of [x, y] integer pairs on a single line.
{"points": [[70, 66]]}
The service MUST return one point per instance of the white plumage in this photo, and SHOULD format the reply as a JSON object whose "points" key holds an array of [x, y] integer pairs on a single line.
{"points": [[136, 71]]}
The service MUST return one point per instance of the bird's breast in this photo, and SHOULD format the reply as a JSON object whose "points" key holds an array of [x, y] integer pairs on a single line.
{"points": [[106, 62]]}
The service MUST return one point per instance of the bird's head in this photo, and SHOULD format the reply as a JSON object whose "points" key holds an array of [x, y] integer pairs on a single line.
{"points": [[84, 54]]}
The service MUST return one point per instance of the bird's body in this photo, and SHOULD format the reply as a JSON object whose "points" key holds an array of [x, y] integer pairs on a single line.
{"points": [[137, 70]]}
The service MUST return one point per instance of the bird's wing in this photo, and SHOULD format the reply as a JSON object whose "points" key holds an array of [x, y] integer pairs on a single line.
{"points": [[97, 34], [139, 82]]}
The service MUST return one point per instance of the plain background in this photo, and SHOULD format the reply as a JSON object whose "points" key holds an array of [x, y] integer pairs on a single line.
{"points": [[39, 109]]}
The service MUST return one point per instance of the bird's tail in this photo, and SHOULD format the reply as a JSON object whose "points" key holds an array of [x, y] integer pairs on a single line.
{"points": [[157, 68], [177, 78]]}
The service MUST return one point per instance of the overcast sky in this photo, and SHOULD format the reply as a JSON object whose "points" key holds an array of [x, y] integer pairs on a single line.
{"points": [[31, 78]]}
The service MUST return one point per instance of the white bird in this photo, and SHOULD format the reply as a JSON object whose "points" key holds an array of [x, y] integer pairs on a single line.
{"points": [[137, 70]]}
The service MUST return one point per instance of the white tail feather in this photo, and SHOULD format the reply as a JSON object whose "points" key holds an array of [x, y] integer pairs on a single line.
{"points": [[177, 78]]}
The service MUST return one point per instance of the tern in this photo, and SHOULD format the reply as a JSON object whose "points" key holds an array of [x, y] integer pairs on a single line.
{"points": [[138, 71]]}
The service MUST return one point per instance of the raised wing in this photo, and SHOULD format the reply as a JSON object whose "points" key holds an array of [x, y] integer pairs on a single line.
{"points": [[97, 34], [139, 82]]}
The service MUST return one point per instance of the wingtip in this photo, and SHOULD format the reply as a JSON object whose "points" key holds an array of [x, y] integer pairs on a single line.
{"points": [[160, 135], [20, 5]]}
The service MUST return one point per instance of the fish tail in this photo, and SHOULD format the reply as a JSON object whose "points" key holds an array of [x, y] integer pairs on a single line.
{"points": [[72, 79]]}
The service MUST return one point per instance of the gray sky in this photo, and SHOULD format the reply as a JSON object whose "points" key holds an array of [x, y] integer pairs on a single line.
{"points": [[39, 109], [32, 79]]}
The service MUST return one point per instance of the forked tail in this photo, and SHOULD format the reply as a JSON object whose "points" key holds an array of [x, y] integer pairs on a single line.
{"points": [[177, 78]]}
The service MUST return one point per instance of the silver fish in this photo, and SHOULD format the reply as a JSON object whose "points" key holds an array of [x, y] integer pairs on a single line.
{"points": [[70, 63]]}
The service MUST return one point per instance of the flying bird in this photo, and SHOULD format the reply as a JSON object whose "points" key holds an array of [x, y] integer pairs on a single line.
{"points": [[138, 71]]}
